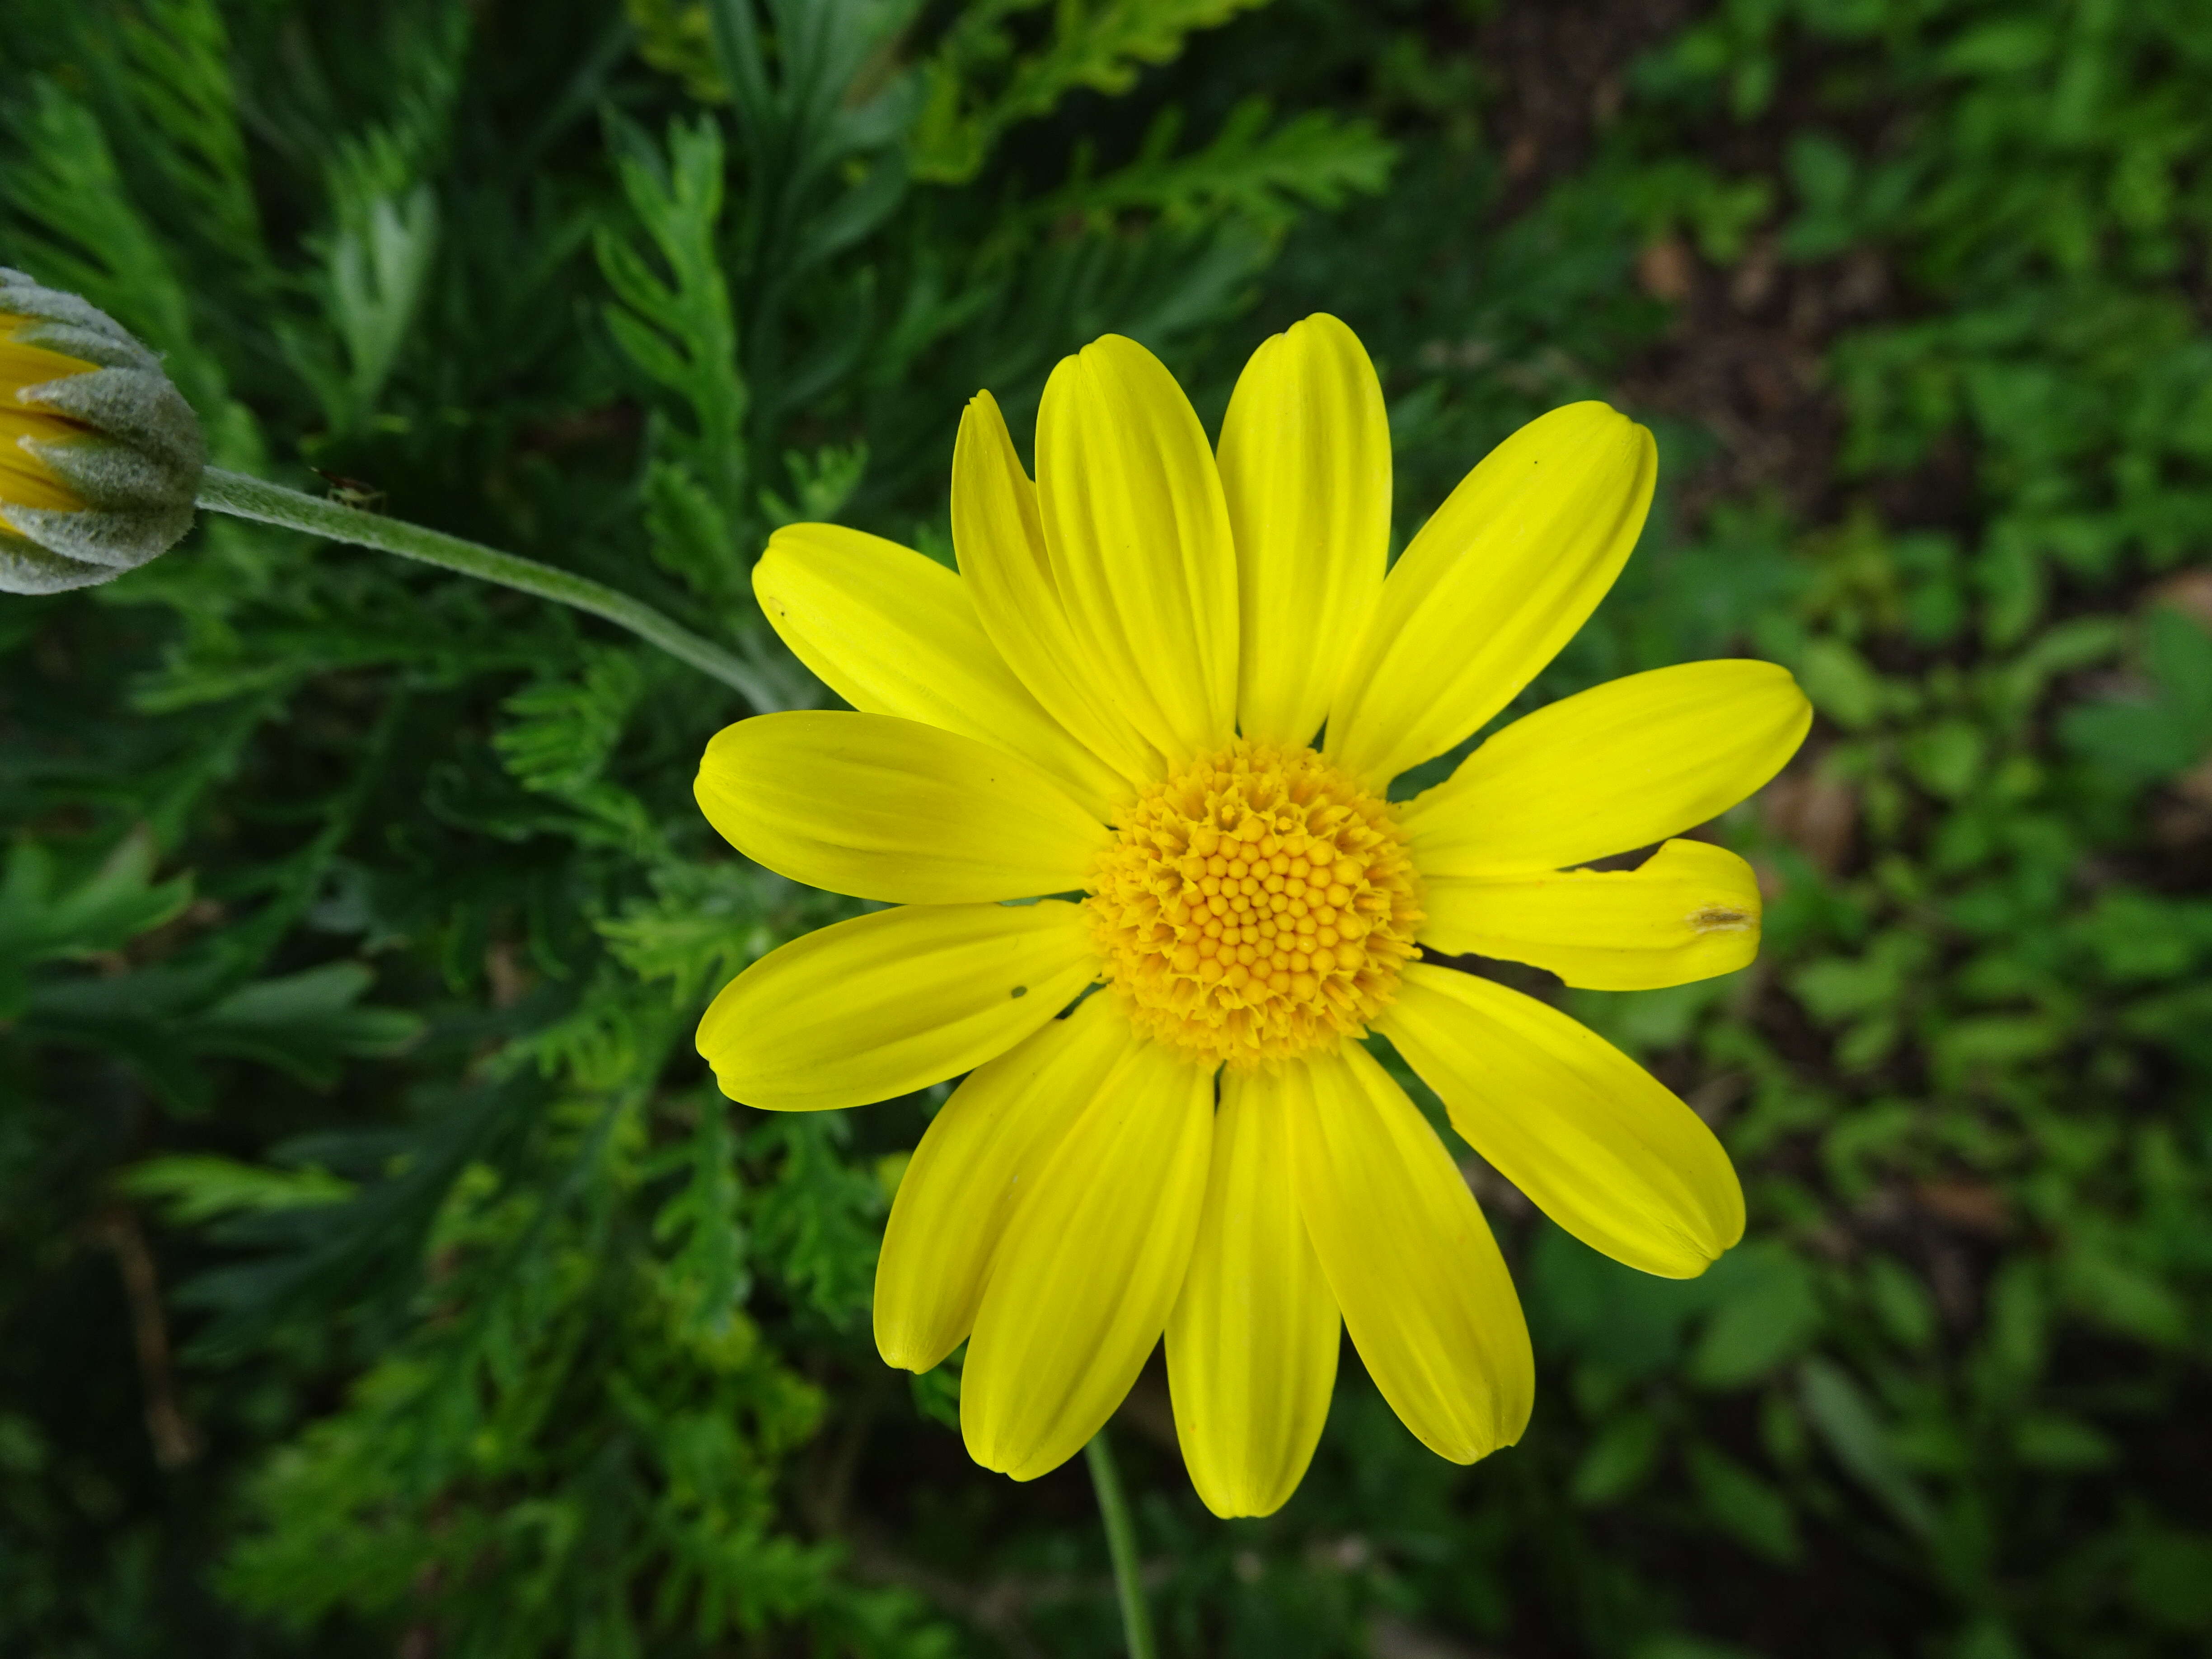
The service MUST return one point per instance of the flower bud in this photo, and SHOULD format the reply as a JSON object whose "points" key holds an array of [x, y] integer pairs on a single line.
{"points": [[100, 456]]}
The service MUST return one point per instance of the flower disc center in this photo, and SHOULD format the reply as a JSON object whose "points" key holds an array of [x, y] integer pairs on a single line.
{"points": [[1256, 904]]}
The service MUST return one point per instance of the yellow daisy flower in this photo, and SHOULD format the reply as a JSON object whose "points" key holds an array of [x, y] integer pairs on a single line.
{"points": [[1122, 696]]}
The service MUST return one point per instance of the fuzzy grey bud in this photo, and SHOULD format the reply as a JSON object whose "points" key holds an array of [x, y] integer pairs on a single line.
{"points": [[100, 456]]}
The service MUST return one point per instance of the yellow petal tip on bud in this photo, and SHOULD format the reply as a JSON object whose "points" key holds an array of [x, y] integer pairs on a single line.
{"points": [[100, 456]]}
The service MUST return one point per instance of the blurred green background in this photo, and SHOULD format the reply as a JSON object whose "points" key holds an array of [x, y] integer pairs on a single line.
{"points": [[378, 1273]]}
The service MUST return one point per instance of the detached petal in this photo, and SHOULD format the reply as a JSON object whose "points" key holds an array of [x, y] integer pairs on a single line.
{"points": [[1305, 466], [1252, 1342], [1689, 912], [892, 809], [1409, 1257], [1082, 1281], [1614, 768], [979, 1155], [894, 633], [1511, 566], [1596, 1142], [1140, 541], [893, 1001], [999, 541]]}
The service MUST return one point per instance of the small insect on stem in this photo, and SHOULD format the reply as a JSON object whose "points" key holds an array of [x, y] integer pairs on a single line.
{"points": [[351, 492]]}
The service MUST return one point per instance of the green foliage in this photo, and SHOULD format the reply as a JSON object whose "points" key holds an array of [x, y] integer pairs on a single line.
{"points": [[43, 916], [675, 37], [1263, 174], [979, 83], [680, 332], [200, 1187], [354, 921]]}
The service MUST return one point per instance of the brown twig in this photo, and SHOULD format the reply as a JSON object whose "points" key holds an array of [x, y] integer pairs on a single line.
{"points": [[176, 1442]]}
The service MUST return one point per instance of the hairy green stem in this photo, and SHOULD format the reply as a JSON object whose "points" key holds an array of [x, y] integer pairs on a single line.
{"points": [[1121, 1543], [247, 497]]}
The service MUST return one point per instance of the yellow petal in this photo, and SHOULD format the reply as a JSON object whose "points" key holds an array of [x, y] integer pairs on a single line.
{"points": [[25, 480], [892, 809], [982, 1152], [894, 633], [1596, 1142], [1612, 768], [893, 1001], [1492, 587], [1139, 542], [1305, 466], [1252, 1342], [1082, 1281], [999, 541], [1690, 911], [1409, 1257]]}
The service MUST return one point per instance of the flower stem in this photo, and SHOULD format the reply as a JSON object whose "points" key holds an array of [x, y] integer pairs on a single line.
{"points": [[247, 497], [1121, 1543]]}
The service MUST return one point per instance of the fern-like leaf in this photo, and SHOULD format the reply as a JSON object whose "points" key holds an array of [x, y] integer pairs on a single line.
{"points": [[1101, 45]]}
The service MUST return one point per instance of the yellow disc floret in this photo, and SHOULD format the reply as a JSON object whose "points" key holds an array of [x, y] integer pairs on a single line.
{"points": [[1257, 904]]}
